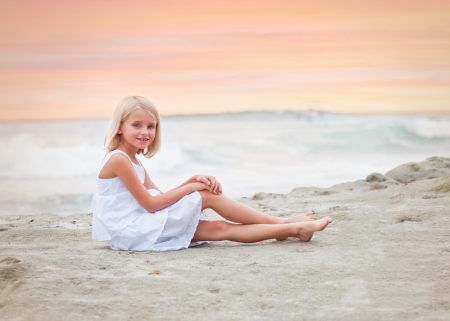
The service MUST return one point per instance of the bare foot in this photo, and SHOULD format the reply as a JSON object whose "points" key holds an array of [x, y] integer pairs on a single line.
{"points": [[307, 229], [309, 216]]}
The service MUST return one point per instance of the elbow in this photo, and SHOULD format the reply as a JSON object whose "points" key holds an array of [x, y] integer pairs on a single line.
{"points": [[153, 204], [150, 208], [150, 205]]}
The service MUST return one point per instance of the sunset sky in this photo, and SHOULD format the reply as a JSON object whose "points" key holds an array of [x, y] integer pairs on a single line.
{"points": [[70, 60]]}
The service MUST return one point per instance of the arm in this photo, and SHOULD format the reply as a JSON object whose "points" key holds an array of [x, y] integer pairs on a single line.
{"points": [[212, 183], [189, 181], [121, 167], [148, 183]]}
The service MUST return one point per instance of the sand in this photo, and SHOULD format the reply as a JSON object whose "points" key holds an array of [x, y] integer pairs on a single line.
{"points": [[386, 256]]}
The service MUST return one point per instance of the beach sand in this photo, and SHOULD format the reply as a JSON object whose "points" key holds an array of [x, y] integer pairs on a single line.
{"points": [[385, 256]]}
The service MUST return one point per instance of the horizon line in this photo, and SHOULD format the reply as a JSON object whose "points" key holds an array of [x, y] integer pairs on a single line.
{"points": [[278, 112]]}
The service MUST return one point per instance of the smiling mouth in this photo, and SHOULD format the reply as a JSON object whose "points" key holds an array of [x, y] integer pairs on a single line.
{"points": [[142, 139]]}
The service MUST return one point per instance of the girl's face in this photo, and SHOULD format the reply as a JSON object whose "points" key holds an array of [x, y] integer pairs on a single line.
{"points": [[138, 130]]}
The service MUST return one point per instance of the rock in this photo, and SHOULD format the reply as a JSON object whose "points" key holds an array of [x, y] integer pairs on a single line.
{"points": [[377, 186], [260, 196], [434, 167], [375, 177], [443, 185]]}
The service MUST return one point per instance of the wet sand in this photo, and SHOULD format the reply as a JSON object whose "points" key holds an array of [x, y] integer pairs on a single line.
{"points": [[385, 256]]}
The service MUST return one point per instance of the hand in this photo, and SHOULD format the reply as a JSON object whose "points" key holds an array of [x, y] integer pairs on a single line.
{"points": [[199, 186], [212, 183]]}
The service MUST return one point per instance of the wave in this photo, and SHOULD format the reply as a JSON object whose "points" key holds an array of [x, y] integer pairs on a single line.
{"points": [[429, 128], [387, 135], [261, 140]]}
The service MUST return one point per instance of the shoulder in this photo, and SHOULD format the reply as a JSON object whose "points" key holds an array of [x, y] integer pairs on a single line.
{"points": [[119, 158], [115, 165], [118, 162]]}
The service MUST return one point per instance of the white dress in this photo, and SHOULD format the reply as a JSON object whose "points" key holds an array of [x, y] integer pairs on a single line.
{"points": [[119, 219]]}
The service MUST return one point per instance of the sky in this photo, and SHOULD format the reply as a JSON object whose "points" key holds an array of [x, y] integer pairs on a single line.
{"points": [[77, 59]]}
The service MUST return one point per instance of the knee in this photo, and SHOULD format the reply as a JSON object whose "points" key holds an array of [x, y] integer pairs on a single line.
{"points": [[220, 228], [209, 199]]}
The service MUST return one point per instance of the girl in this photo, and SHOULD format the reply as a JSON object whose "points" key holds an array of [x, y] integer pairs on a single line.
{"points": [[131, 213]]}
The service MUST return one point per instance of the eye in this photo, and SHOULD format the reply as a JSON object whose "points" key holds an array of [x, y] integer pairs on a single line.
{"points": [[136, 125], [151, 127]]}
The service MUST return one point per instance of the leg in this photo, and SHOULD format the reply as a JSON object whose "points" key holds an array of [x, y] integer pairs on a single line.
{"points": [[250, 233], [240, 213], [308, 216], [235, 211]]}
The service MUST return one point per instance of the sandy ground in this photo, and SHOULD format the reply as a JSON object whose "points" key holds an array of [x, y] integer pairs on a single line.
{"points": [[386, 256]]}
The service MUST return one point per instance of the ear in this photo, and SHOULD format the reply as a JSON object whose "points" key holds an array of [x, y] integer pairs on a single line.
{"points": [[119, 131]]}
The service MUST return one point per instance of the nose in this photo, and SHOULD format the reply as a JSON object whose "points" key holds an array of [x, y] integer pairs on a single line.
{"points": [[144, 130]]}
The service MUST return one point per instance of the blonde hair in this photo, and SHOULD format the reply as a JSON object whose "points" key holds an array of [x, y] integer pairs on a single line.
{"points": [[121, 113]]}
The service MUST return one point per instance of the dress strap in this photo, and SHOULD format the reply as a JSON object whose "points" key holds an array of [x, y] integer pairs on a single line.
{"points": [[108, 156]]}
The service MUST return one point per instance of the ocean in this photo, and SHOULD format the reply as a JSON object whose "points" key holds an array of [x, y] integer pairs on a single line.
{"points": [[51, 166]]}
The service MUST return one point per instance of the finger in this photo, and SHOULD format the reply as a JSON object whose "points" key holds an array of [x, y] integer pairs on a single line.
{"points": [[205, 181], [217, 186], [213, 184]]}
